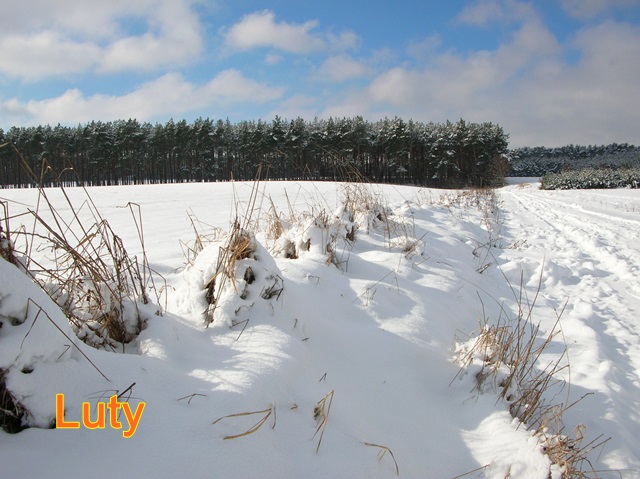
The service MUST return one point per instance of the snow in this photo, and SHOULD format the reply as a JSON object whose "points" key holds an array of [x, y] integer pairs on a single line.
{"points": [[373, 333]]}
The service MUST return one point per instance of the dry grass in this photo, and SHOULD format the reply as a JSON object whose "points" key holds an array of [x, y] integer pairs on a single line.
{"points": [[191, 250], [365, 204], [321, 415], [74, 255], [383, 451], [569, 452], [274, 225], [95, 281], [267, 413], [508, 357], [7, 251], [12, 413], [238, 246]]}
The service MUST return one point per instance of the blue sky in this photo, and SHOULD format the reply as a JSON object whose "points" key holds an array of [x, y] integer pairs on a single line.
{"points": [[551, 72]]}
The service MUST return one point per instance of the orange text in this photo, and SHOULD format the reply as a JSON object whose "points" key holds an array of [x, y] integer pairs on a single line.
{"points": [[132, 418]]}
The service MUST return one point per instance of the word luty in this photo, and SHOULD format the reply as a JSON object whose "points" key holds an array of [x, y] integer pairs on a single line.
{"points": [[100, 422]]}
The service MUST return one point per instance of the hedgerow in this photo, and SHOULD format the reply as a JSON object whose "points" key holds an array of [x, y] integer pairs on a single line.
{"points": [[591, 178]]}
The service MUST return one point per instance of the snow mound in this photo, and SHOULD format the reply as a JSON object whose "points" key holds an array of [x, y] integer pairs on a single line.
{"points": [[330, 350], [37, 344]]}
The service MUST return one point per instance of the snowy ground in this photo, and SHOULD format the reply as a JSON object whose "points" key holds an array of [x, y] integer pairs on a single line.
{"points": [[374, 336]]}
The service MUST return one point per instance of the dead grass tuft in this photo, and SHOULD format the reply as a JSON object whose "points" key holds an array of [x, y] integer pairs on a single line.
{"points": [[239, 245], [7, 251], [12, 413], [508, 356], [321, 415], [85, 267]]}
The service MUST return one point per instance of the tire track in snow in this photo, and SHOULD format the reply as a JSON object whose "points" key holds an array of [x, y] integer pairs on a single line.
{"points": [[588, 265], [592, 259]]}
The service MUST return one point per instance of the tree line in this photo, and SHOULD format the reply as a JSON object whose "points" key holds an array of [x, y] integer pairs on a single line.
{"points": [[540, 160], [392, 150]]}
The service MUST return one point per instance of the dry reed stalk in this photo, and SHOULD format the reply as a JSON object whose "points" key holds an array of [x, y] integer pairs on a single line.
{"points": [[40, 310], [267, 413], [274, 228], [321, 416], [383, 451], [98, 278], [7, 248], [191, 396], [92, 278], [239, 245], [516, 346]]}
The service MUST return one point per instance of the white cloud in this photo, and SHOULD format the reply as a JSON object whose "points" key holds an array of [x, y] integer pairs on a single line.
{"points": [[424, 48], [485, 12], [231, 86], [585, 9], [169, 95], [341, 68], [260, 29], [45, 54], [273, 59], [39, 38], [96, 19], [346, 40], [297, 106], [592, 101], [357, 102], [177, 41], [453, 81], [526, 85]]}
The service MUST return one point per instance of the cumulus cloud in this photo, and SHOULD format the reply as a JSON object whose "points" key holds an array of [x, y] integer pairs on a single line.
{"points": [[177, 40], [454, 80], [261, 29], [302, 106], [39, 39], [585, 9], [425, 48], [591, 101], [341, 68], [485, 12], [169, 95], [273, 59], [97, 19], [346, 40], [45, 54], [526, 85]]}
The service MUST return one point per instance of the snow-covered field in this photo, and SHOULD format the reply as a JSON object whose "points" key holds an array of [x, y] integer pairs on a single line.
{"points": [[351, 362]]}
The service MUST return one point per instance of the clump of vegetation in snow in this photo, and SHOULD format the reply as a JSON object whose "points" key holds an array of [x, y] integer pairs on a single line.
{"points": [[86, 269], [540, 160], [224, 270], [224, 265], [11, 411], [6, 245], [486, 202], [592, 178], [507, 357]]}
